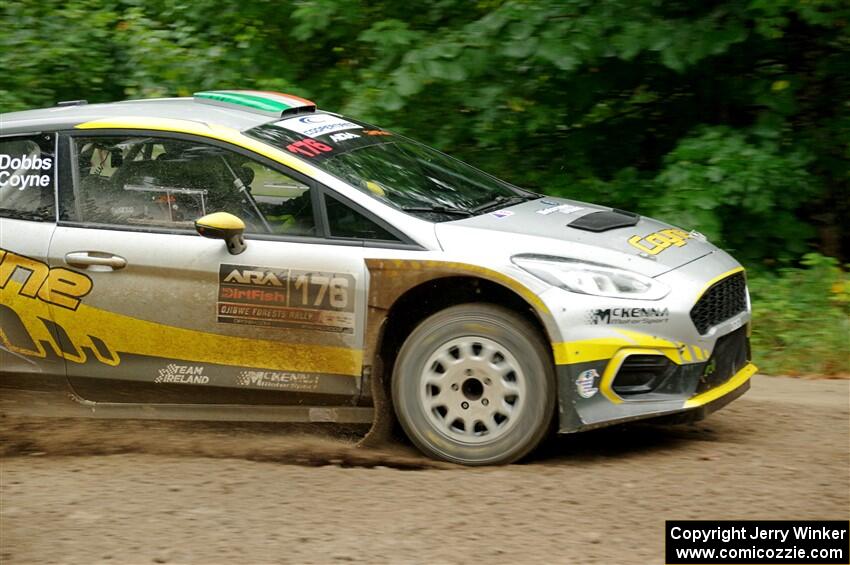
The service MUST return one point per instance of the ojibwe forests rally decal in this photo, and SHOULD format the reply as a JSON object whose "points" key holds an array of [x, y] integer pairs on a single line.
{"points": [[287, 298]]}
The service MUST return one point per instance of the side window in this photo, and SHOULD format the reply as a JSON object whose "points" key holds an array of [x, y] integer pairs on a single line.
{"points": [[27, 164], [346, 222], [168, 183], [285, 202]]}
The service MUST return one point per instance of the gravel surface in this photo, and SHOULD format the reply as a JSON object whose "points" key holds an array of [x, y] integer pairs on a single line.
{"points": [[85, 491]]}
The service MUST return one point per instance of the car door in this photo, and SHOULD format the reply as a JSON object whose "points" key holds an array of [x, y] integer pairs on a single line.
{"points": [[175, 318], [29, 355]]}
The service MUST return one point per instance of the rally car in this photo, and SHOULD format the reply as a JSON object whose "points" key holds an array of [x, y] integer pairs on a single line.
{"points": [[243, 255]]}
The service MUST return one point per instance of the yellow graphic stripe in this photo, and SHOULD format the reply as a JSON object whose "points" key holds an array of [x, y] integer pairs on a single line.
{"points": [[29, 310], [708, 285], [607, 381], [585, 350], [599, 349], [495, 276], [202, 129], [531, 297], [737, 380], [135, 336], [617, 349], [693, 353]]}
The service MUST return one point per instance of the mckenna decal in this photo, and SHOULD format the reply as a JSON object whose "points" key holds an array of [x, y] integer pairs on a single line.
{"points": [[586, 383], [628, 316], [287, 298], [314, 125], [502, 214], [562, 208], [278, 380], [182, 374], [655, 243]]}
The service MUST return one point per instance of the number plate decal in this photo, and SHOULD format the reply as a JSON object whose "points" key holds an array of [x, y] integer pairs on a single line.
{"points": [[285, 298]]}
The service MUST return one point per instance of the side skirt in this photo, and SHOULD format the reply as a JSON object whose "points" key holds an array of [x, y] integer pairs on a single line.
{"points": [[69, 405]]}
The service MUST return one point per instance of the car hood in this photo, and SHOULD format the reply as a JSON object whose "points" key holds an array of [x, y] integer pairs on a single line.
{"points": [[541, 227]]}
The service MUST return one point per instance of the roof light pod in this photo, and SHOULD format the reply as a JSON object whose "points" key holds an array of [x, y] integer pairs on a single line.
{"points": [[275, 104]]}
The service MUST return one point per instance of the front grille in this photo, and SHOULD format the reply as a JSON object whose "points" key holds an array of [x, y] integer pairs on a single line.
{"points": [[731, 354], [720, 302]]}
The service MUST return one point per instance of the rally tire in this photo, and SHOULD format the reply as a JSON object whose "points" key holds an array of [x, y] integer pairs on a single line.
{"points": [[474, 384]]}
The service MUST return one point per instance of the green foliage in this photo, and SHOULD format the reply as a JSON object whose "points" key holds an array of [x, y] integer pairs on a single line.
{"points": [[51, 51], [729, 117], [719, 173], [801, 318]]}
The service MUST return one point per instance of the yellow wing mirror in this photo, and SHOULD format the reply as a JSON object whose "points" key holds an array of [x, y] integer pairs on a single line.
{"points": [[221, 225]]}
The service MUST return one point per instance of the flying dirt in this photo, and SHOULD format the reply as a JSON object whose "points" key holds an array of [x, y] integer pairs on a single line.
{"points": [[85, 491]]}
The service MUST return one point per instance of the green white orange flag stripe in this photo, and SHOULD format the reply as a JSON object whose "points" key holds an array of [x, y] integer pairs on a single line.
{"points": [[272, 103]]}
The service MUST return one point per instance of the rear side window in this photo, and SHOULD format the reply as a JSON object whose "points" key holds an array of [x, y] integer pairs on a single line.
{"points": [[27, 164]]}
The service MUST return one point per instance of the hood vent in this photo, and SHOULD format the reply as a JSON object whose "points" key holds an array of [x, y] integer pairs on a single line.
{"points": [[605, 220]]}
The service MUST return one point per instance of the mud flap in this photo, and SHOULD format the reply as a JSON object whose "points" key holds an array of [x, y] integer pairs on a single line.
{"points": [[383, 418]]}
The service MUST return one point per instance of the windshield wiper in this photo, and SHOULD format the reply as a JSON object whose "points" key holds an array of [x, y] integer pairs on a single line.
{"points": [[500, 201], [438, 210]]}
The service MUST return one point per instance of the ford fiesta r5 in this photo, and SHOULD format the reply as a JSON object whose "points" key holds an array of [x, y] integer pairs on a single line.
{"points": [[241, 255]]}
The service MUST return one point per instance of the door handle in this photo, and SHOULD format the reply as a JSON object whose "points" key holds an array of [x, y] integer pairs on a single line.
{"points": [[95, 258]]}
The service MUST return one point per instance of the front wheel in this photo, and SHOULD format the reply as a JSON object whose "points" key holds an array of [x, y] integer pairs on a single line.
{"points": [[474, 384]]}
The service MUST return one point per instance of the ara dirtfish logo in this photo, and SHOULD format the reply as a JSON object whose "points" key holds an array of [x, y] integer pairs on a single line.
{"points": [[586, 383], [182, 374], [256, 276]]}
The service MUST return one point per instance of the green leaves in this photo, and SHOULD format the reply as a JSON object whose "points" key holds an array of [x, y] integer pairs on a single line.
{"points": [[388, 35], [802, 318], [713, 115], [736, 180], [731, 117]]}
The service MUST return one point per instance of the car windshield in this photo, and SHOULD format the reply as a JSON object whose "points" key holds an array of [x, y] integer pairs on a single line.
{"points": [[390, 167]]}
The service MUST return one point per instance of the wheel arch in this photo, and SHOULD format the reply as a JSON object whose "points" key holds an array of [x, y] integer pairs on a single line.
{"points": [[403, 293]]}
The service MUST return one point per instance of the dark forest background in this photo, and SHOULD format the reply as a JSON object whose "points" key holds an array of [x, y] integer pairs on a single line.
{"points": [[729, 117]]}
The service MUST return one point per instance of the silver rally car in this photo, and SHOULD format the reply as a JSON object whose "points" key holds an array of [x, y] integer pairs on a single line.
{"points": [[341, 269]]}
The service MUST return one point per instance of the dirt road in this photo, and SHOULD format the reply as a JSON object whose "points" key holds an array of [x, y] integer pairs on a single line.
{"points": [[140, 492]]}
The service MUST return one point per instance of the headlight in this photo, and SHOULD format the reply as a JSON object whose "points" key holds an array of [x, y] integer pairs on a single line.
{"points": [[591, 278]]}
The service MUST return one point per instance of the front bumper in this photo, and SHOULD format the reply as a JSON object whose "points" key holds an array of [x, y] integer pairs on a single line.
{"points": [[658, 360], [684, 393]]}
